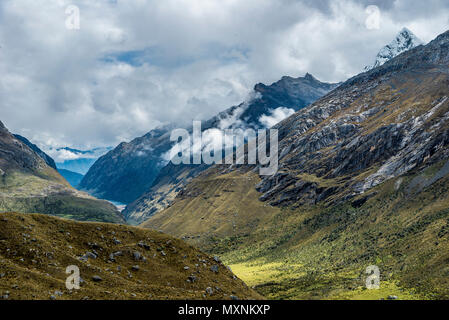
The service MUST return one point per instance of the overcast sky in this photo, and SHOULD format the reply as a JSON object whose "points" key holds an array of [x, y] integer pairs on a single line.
{"points": [[135, 64]]}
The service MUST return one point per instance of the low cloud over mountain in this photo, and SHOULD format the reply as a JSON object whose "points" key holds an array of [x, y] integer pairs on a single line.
{"points": [[136, 64]]}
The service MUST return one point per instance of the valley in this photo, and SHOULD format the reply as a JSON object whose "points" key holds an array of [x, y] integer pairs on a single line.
{"points": [[362, 181]]}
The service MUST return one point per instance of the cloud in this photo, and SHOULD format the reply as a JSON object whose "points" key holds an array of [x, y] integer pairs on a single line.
{"points": [[136, 64], [275, 116]]}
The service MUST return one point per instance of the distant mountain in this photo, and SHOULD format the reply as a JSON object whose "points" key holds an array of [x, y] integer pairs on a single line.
{"points": [[129, 170], [405, 40], [76, 160], [48, 160], [80, 166], [29, 185], [73, 178], [286, 95]]}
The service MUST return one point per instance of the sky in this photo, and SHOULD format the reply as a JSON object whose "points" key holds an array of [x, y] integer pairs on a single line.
{"points": [[136, 64]]}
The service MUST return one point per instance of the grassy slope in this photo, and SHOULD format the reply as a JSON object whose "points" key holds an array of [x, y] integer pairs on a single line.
{"points": [[47, 192], [36, 249], [317, 251]]}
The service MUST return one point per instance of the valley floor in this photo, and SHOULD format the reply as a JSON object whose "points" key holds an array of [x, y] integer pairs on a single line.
{"points": [[321, 251]]}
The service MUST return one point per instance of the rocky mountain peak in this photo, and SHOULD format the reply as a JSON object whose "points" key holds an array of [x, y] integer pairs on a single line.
{"points": [[2, 127], [309, 77], [404, 41]]}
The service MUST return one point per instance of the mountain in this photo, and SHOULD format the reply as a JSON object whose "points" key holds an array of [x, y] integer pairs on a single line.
{"points": [[289, 94], [115, 263], [78, 161], [48, 160], [405, 40], [73, 178], [28, 184], [80, 166], [363, 180], [129, 170]]}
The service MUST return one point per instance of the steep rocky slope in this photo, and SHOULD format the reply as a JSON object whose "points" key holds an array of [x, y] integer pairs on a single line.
{"points": [[405, 40], [287, 93], [362, 181], [29, 185], [48, 160], [129, 171], [115, 262]]}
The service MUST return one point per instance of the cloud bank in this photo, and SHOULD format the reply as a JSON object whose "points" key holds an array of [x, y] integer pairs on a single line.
{"points": [[136, 64]]}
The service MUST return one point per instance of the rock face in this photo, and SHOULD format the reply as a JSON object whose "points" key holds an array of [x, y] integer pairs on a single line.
{"points": [[376, 126], [130, 170], [48, 160], [363, 174], [290, 93], [14, 154], [405, 40], [29, 185]]}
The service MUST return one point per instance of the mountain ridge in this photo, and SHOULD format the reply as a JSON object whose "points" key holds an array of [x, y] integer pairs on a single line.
{"points": [[362, 181], [404, 40], [137, 163], [29, 185]]}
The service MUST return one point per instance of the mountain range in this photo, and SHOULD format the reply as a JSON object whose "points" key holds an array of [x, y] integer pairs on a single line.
{"points": [[133, 171], [362, 180], [29, 185], [172, 178], [78, 161]]}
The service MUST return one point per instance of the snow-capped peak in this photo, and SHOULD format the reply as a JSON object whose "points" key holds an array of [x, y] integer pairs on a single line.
{"points": [[404, 41]]}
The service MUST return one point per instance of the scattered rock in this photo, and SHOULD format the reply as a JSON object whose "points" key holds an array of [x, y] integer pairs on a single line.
{"points": [[143, 245], [392, 297], [88, 255], [234, 297], [137, 255], [209, 291], [135, 268], [214, 268], [97, 278]]}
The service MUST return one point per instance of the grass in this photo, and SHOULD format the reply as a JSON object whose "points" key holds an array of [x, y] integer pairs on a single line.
{"points": [[45, 193], [320, 252], [36, 249]]}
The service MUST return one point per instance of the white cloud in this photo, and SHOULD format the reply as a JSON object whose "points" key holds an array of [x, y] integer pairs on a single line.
{"points": [[135, 64], [275, 116]]}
